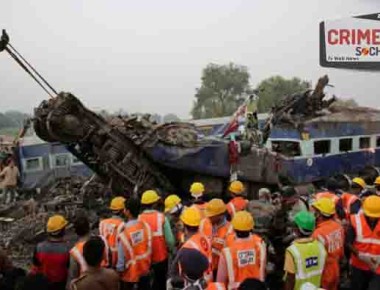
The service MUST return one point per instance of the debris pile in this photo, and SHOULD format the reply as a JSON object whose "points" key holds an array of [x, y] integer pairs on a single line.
{"points": [[22, 224]]}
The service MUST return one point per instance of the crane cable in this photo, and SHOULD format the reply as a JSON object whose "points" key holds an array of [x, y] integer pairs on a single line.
{"points": [[32, 68]]}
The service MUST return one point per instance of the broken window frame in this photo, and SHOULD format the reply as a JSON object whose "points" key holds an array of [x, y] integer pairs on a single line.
{"points": [[283, 141], [328, 141], [351, 145]]}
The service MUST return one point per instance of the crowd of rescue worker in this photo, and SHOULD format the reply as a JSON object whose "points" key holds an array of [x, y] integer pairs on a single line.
{"points": [[213, 245]]}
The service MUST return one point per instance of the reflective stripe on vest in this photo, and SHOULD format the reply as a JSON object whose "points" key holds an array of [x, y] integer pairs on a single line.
{"points": [[132, 258], [232, 208], [160, 224], [301, 274], [359, 233], [78, 257]]}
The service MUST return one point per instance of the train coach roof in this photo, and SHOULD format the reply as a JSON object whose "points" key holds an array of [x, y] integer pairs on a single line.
{"points": [[348, 114]]}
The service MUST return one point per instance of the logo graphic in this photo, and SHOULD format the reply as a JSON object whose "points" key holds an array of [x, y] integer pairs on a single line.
{"points": [[352, 43]]}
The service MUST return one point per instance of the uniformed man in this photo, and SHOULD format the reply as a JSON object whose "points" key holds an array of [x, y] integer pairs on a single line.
{"points": [[163, 240], [331, 234], [305, 257], [134, 249], [244, 256], [173, 210], [237, 202], [363, 239], [111, 227], [95, 277]]}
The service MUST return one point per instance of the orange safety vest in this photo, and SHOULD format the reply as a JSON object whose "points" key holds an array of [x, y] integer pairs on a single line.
{"points": [[216, 286], [347, 200], [110, 229], [77, 254], [246, 258], [156, 221], [236, 204], [200, 243], [331, 234], [217, 238], [366, 242], [136, 240], [327, 194]]}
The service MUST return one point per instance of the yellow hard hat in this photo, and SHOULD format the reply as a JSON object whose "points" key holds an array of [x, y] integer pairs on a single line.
{"points": [[325, 206], [359, 181], [371, 206], [191, 217], [215, 207], [56, 223], [236, 187], [243, 221], [377, 181], [149, 197], [171, 202], [117, 203], [197, 189]]}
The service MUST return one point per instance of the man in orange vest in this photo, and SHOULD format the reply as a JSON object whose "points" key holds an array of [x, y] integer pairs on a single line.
{"points": [[245, 257], [237, 203], [77, 263], [197, 190], [191, 220], [134, 249], [216, 228], [363, 239], [331, 234], [162, 237], [358, 186], [110, 228], [193, 264]]}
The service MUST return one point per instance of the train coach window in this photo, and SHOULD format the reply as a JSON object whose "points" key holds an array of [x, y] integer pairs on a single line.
{"points": [[378, 141], [322, 147], [364, 142], [61, 160], [287, 148], [345, 145], [33, 164]]}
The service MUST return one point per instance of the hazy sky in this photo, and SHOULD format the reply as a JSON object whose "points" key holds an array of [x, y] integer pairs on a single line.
{"points": [[148, 55]]}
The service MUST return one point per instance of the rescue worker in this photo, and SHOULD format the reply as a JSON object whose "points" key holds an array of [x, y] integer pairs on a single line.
{"points": [[77, 263], [197, 190], [193, 265], [173, 210], [363, 239], [377, 185], [134, 249], [8, 178], [264, 195], [327, 194], [110, 228], [162, 240], [216, 228], [358, 185], [238, 202], [96, 277], [51, 258], [191, 220], [245, 257], [331, 234], [305, 257]]}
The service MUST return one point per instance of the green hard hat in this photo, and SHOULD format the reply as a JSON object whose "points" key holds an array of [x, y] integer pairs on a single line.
{"points": [[305, 221]]}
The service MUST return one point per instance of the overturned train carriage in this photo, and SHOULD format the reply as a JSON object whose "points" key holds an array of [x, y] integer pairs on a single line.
{"points": [[133, 154]]}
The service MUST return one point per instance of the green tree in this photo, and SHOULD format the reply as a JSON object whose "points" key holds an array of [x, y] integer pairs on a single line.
{"points": [[223, 89], [272, 89]]}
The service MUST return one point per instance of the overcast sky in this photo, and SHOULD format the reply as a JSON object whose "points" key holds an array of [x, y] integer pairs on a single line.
{"points": [[148, 56]]}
